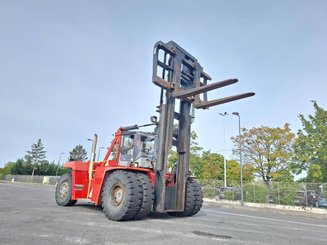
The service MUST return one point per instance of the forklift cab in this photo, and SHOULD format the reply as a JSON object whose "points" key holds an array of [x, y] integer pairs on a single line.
{"points": [[137, 148]]}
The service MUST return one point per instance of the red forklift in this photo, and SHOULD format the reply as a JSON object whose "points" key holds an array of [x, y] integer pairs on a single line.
{"points": [[133, 178]]}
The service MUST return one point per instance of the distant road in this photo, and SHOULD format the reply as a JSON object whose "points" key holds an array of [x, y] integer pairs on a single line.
{"points": [[30, 215]]}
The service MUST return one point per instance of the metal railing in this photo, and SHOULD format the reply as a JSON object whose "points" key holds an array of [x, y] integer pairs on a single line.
{"points": [[282, 193]]}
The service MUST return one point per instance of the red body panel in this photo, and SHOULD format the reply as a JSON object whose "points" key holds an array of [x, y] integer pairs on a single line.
{"points": [[80, 177]]}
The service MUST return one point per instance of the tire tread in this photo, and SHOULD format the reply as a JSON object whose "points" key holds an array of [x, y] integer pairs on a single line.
{"points": [[133, 196]]}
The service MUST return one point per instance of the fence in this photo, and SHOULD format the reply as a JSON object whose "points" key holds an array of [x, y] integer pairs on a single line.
{"points": [[284, 193], [46, 180]]}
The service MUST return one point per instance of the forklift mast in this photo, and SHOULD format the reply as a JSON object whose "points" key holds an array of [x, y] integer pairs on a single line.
{"points": [[183, 84]]}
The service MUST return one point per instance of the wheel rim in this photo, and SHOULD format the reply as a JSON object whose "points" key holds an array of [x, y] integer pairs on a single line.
{"points": [[63, 190], [117, 194]]}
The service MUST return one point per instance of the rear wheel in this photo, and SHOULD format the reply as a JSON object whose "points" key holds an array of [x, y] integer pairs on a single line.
{"points": [[121, 195], [63, 193], [147, 196]]}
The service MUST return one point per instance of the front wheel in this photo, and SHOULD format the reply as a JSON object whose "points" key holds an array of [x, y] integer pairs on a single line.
{"points": [[122, 195], [193, 199], [147, 196], [63, 193]]}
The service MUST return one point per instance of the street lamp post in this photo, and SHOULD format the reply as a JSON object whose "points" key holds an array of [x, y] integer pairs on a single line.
{"points": [[101, 147], [241, 166], [62, 153], [94, 146], [91, 156], [225, 167]]}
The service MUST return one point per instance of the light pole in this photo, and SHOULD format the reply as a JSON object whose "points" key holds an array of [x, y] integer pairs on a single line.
{"points": [[101, 147], [94, 147], [241, 166], [91, 149], [225, 167], [62, 153]]}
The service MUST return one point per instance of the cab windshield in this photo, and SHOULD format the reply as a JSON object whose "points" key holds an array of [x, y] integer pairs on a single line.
{"points": [[137, 145]]}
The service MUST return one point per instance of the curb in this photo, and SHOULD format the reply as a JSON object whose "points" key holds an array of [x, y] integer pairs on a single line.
{"points": [[270, 206]]}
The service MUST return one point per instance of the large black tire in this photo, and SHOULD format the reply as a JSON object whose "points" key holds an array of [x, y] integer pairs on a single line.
{"points": [[147, 196], [198, 194], [63, 192], [189, 201], [193, 199], [121, 195]]}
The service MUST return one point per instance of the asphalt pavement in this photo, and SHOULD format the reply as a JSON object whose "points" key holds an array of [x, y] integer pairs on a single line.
{"points": [[30, 215]]}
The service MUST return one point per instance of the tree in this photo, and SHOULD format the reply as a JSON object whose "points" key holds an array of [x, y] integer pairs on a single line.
{"points": [[233, 171], [7, 169], [269, 150], [284, 176], [213, 166], [195, 162], [18, 167], [36, 155], [78, 154], [43, 168], [195, 149], [196, 165], [314, 174], [52, 170], [311, 145]]}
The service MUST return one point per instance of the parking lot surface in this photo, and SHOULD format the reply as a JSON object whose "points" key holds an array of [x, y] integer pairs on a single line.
{"points": [[30, 215]]}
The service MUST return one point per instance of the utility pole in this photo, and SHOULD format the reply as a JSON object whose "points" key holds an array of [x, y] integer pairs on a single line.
{"points": [[92, 156], [101, 147], [58, 165]]}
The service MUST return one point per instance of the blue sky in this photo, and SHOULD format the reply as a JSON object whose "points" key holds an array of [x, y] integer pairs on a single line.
{"points": [[69, 69]]}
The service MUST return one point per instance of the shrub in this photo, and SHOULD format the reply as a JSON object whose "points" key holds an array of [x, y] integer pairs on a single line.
{"points": [[255, 193], [229, 195], [209, 192], [284, 193]]}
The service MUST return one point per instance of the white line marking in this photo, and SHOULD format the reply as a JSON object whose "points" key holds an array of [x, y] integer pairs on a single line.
{"points": [[264, 218], [248, 224]]}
